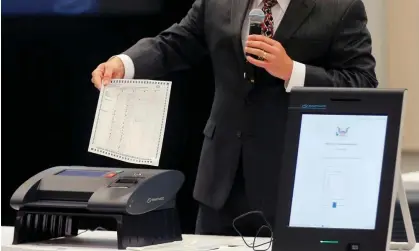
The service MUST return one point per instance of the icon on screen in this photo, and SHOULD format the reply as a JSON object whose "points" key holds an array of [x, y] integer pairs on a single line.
{"points": [[342, 132]]}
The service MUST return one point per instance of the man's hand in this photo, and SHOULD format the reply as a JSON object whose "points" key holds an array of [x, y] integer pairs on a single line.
{"points": [[105, 72], [274, 58]]}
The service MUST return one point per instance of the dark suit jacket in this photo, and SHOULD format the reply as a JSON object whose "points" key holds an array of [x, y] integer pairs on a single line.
{"points": [[329, 36]]}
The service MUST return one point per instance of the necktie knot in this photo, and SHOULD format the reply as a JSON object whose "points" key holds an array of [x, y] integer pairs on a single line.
{"points": [[269, 3]]}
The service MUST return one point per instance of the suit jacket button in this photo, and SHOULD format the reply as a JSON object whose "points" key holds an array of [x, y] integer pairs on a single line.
{"points": [[239, 134]]}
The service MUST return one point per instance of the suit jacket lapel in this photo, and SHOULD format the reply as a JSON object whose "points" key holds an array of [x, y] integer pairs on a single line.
{"points": [[296, 13], [238, 13]]}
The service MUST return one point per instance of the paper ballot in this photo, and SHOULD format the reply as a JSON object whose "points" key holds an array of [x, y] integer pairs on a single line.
{"points": [[130, 120]]}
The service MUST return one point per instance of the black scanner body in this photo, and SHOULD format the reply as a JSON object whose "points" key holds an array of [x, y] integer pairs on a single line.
{"points": [[58, 200]]}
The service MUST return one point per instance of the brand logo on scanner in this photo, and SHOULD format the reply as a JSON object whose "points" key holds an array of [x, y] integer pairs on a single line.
{"points": [[314, 107], [150, 200]]}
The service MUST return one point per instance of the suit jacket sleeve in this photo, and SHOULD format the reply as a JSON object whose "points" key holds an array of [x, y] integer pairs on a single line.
{"points": [[350, 63], [176, 48]]}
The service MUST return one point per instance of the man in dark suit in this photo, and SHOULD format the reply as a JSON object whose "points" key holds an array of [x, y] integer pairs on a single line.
{"points": [[304, 43]]}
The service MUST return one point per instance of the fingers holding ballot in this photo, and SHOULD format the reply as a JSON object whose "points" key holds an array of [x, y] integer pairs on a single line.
{"points": [[272, 56], [105, 72]]}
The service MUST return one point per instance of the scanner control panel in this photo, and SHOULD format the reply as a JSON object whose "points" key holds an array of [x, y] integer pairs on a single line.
{"points": [[119, 178]]}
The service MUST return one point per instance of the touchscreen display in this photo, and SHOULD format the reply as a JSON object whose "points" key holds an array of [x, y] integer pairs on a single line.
{"points": [[338, 171], [84, 173]]}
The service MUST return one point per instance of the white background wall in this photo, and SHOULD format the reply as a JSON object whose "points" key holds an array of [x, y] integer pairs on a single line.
{"points": [[377, 15]]}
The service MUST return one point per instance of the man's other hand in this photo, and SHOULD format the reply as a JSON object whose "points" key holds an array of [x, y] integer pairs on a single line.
{"points": [[105, 72], [273, 57]]}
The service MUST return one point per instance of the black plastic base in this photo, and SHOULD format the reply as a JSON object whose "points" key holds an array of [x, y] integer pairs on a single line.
{"points": [[152, 228]]}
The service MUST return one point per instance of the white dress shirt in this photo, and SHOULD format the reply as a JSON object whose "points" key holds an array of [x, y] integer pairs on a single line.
{"points": [[278, 11]]}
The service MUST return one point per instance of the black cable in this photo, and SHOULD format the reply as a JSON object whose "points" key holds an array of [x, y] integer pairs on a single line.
{"points": [[268, 226]]}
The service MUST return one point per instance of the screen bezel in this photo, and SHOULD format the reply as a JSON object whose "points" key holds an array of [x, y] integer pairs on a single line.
{"points": [[338, 102]]}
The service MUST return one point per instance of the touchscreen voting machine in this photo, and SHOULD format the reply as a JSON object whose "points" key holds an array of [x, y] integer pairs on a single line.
{"points": [[341, 173]]}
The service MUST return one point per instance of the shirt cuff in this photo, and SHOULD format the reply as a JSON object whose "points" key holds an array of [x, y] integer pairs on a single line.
{"points": [[128, 65], [298, 76]]}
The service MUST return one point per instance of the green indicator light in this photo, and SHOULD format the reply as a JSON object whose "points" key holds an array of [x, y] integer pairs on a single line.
{"points": [[329, 242], [119, 171]]}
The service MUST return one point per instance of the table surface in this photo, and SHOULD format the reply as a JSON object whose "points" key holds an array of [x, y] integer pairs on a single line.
{"points": [[106, 241]]}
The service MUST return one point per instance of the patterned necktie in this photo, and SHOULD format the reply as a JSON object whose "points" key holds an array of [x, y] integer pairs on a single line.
{"points": [[268, 24]]}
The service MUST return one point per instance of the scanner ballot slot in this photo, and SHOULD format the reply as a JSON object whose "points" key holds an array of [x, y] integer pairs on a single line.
{"points": [[69, 187]]}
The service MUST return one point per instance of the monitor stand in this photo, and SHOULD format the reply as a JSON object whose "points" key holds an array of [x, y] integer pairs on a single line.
{"points": [[407, 219]]}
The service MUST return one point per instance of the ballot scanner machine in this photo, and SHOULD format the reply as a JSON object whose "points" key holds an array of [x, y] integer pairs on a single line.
{"points": [[58, 201]]}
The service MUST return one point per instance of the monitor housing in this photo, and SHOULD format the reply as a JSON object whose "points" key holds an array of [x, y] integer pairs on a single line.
{"points": [[341, 171]]}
